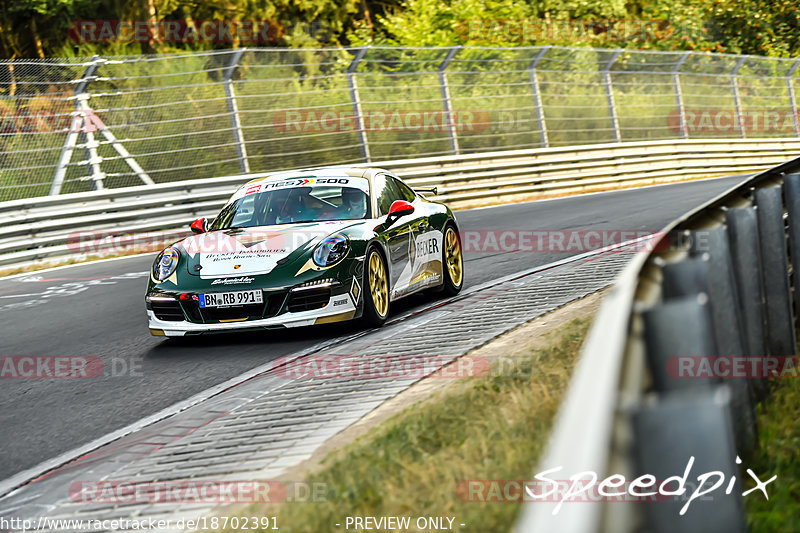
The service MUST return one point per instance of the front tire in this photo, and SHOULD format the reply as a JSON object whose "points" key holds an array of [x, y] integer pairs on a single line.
{"points": [[376, 285], [452, 261]]}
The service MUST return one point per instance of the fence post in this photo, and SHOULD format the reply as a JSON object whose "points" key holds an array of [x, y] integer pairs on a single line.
{"points": [[537, 96], [93, 160], [233, 110], [676, 82], [737, 100], [75, 127], [126, 156], [792, 101], [448, 108], [612, 108], [357, 113]]}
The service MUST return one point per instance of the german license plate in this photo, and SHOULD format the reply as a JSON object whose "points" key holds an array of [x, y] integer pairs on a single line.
{"points": [[227, 299]]}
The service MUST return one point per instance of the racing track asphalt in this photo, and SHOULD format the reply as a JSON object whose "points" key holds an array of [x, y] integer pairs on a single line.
{"points": [[82, 311]]}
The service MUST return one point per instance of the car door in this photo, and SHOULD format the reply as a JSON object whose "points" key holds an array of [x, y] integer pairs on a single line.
{"points": [[397, 235], [426, 243]]}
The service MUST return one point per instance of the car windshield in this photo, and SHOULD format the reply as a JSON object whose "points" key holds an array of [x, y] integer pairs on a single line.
{"points": [[264, 205]]}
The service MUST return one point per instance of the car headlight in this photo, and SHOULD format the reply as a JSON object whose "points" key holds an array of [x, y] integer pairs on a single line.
{"points": [[166, 263], [331, 250]]}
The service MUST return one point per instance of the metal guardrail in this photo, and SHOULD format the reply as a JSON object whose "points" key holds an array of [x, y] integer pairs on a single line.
{"points": [[716, 288], [44, 228], [79, 124]]}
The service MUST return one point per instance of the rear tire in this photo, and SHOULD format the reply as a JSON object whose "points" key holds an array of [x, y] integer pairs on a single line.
{"points": [[376, 289], [452, 261]]}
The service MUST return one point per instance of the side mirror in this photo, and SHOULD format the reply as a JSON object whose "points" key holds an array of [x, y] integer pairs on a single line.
{"points": [[400, 208], [199, 226]]}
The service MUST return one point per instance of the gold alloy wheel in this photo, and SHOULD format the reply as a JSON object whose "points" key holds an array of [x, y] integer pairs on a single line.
{"points": [[452, 248], [378, 286]]}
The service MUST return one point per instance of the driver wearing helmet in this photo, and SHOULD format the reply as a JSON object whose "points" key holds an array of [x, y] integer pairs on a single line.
{"points": [[291, 205], [354, 203]]}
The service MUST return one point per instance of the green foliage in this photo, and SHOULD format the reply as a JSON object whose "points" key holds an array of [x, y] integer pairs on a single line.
{"points": [[759, 27], [684, 26], [436, 23], [42, 28], [780, 437], [30, 28], [763, 27]]}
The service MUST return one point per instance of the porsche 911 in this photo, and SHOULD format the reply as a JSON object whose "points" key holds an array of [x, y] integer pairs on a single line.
{"points": [[307, 247]]}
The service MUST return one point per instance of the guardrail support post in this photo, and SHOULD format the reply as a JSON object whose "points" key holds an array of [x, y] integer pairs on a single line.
{"points": [[774, 268], [358, 115], [233, 110], [612, 108], [791, 192], [792, 100], [746, 257], [737, 99], [667, 433], [537, 97], [446, 103], [722, 289], [679, 326], [75, 128], [676, 83]]}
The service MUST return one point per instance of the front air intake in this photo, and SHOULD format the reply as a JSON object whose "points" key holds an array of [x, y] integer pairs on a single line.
{"points": [[309, 299]]}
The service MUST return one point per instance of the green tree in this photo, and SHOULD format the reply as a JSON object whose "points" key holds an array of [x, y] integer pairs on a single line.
{"points": [[760, 27], [763, 27], [505, 22]]}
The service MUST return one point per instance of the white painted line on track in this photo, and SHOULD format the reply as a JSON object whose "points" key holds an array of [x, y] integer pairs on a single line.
{"points": [[84, 264]]}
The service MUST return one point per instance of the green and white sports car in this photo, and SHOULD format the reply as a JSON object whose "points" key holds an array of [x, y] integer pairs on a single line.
{"points": [[305, 247]]}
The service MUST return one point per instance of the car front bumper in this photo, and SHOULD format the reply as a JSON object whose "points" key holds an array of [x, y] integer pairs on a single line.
{"points": [[342, 305]]}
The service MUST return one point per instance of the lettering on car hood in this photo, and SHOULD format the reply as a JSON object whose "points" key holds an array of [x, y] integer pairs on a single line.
{"points": [[252, 251]]}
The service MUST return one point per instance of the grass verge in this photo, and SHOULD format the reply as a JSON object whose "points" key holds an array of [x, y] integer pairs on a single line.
{"points": [[489, 428], [779, 435]]}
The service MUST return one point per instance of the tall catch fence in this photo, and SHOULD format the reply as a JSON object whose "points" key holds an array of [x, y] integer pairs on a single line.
{"points": [[80, 124]]}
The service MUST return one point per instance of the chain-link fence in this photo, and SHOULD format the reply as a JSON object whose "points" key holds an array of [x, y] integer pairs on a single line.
{"points": [[71, 125]]}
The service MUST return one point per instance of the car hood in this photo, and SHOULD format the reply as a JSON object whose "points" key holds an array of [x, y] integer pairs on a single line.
{"points": [[253, 251]]}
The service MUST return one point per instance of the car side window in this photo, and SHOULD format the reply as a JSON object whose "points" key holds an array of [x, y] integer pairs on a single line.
{"points": [[405, 191], [387, 192], [244, 213]]}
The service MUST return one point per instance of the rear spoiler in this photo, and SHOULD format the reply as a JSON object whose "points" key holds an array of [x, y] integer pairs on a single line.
{"points": [[432, 190]]}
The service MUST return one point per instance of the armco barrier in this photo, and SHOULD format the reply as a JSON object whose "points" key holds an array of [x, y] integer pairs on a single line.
{"points": [[37, 229], [717, 287]]}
